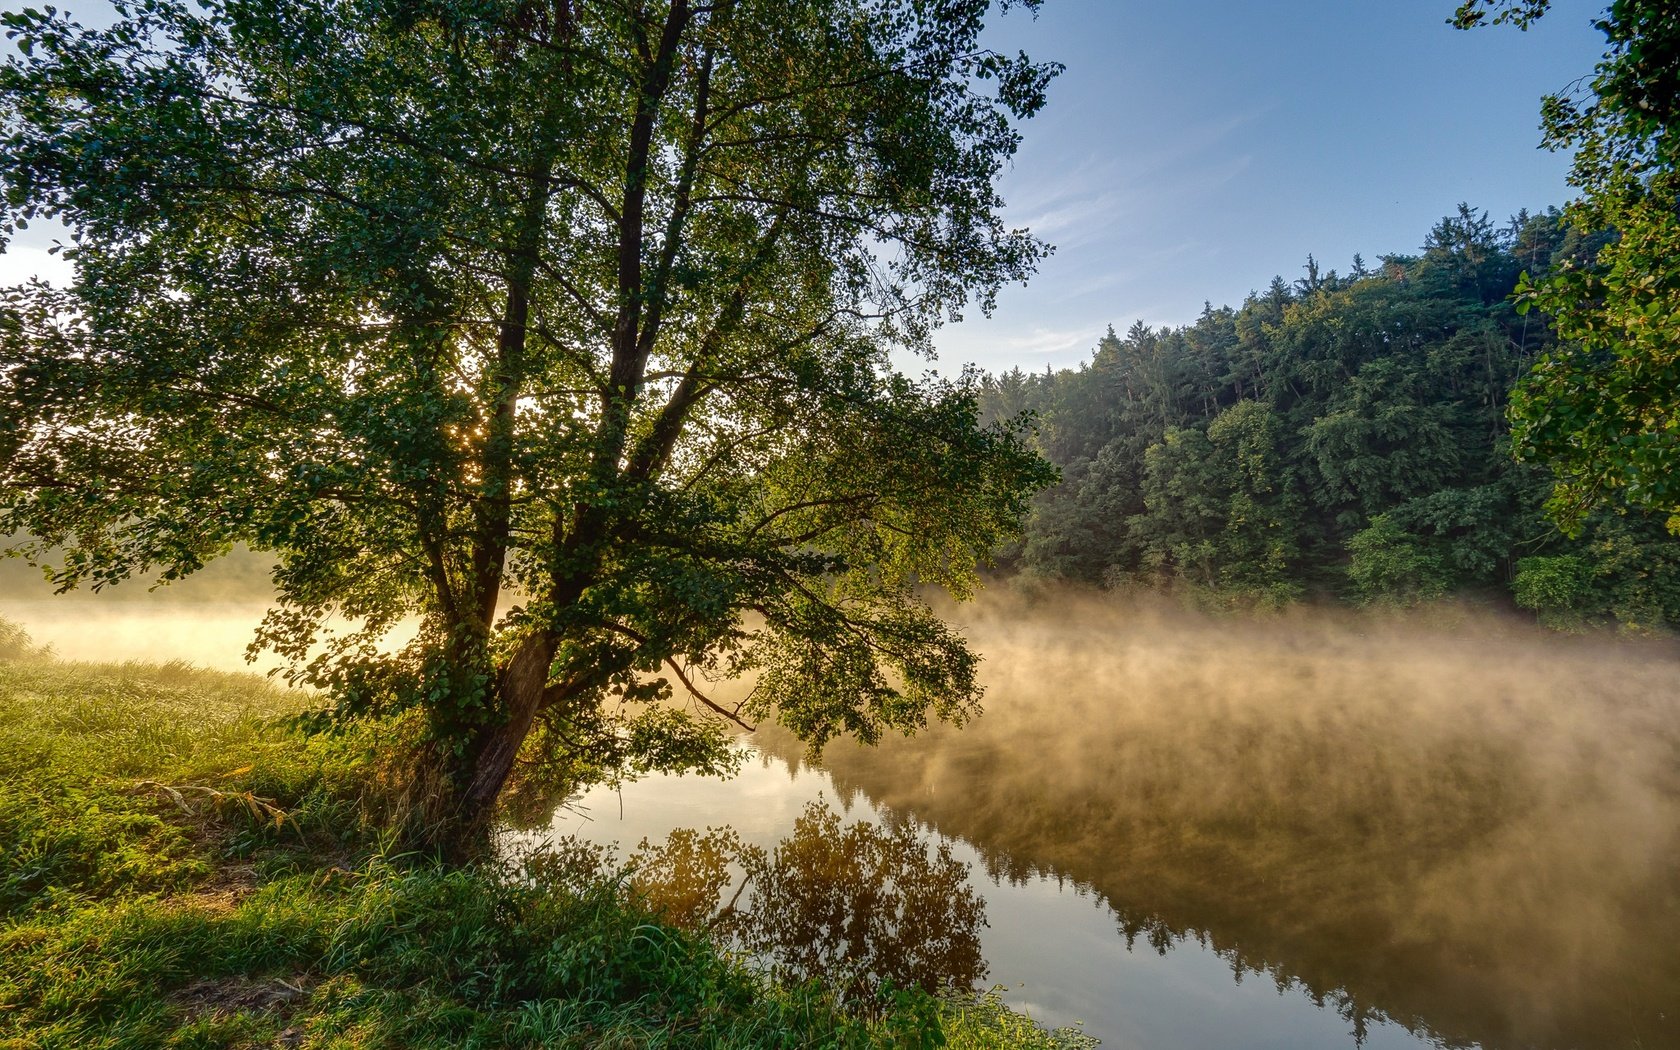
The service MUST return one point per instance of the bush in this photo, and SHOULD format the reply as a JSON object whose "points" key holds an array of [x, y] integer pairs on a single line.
{"points": [[1558, 589], [15, 643], [1394, 566]]}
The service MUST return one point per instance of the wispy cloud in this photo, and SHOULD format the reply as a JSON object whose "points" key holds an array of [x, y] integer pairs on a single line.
{"points": [[1053, 341], [1076, 213], [1217, 175], [1194, 140], [1088, 202], [1136, 266]]}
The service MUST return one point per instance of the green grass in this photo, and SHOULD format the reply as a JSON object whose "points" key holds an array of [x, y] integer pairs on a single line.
{"points": [[181, 869]]}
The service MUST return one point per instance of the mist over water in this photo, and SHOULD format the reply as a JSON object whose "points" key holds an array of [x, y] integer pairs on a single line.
{"points": [[1446, 821], [207, 619], [1455, 821], [1448, 818]]}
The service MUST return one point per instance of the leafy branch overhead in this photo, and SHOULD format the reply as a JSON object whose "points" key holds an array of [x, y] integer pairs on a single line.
{"points": [[562, 326], [1604, 409]]}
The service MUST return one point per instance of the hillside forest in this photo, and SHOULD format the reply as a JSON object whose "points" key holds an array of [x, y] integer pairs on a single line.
{"points": [[1341, 436]]}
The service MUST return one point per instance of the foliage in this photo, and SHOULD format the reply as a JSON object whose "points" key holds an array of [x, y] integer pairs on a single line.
{"points": [[1558, 588], [1627, 571], [1339, 435], [1392, 565], [988, 1024], [1602, 409], [581, 306], [399, 957], [1217, 506], [1519, 13]]}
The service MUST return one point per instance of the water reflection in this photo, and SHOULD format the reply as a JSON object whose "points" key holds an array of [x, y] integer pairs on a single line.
{"points": [[1468, 834], [858, 904], [1475, 835]]}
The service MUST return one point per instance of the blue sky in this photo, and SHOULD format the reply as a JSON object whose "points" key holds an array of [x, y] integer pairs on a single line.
{"points": [[1193, 149]]}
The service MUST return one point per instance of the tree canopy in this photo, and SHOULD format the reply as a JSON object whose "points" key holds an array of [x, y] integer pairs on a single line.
{"points": [[1341, 435], [562, 326], [1603, 410]]}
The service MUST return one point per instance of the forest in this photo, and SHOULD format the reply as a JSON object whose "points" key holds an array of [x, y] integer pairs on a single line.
{"points": [[1341, 436]]}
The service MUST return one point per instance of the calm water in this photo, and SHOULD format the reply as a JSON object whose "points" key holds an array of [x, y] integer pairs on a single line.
{"points": [[1185, 832], [1053, 943], [1192, 834]]}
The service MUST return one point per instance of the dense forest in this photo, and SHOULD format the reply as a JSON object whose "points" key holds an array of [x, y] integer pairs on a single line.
{"points": [[1338, 436]]}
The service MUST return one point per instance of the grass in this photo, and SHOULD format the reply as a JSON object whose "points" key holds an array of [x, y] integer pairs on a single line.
{"points": [[181, 869]]}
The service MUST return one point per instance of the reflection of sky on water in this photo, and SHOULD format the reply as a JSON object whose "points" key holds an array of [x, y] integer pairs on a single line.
{"points": [[1054, 947]]}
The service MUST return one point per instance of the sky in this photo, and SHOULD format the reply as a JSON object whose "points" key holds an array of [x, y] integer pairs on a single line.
{"points": [[1191, 150]]}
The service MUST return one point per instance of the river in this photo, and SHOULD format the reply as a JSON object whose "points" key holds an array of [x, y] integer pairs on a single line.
{"points": [[1309, 831]]}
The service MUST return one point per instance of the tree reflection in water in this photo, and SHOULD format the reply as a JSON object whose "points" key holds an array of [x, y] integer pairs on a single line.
{"points": [[1472, 832], [859, 905]]}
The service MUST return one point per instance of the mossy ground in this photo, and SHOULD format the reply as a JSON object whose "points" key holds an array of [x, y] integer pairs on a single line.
{"points": [[180, 868]]}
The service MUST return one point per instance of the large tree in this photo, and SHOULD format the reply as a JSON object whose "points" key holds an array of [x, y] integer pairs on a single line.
{"points": [[1603, 410], [561, 326]]}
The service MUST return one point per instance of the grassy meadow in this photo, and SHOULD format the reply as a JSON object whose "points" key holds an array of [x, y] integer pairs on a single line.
{"points": [[181, 866]]}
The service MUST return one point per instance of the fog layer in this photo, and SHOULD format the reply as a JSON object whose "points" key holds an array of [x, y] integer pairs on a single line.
{"points": [[1463, 823], [1453, 819]]}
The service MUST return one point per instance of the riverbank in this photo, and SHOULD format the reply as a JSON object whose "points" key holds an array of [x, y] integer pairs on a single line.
{"points": [[180, 868]]}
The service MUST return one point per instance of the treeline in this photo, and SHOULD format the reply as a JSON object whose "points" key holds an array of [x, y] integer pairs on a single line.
{"points": [[1342, 435]]}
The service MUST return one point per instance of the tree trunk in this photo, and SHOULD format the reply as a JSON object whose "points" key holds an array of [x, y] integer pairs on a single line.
{"points": [[495, 747]]}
